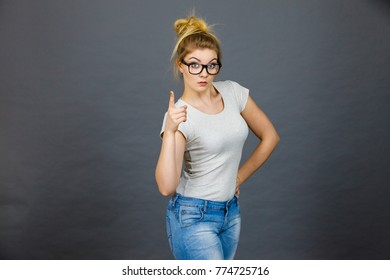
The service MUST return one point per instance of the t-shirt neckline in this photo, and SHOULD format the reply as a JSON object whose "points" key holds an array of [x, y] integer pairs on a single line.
{"points": [[216, 114]]}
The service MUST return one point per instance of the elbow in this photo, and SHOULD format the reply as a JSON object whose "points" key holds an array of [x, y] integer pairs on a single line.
{"points": [[165, 193], [276, 138], [270, 141], [272, 138], [164, 188]]}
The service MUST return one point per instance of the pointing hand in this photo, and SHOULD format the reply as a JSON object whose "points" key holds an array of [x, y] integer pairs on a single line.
{"points": [[175, 115]]}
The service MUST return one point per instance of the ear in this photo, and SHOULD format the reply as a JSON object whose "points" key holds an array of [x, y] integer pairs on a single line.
{"points": [[179, 66]]}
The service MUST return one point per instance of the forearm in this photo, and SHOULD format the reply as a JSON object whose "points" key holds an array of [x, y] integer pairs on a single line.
{"points": [[258, 157], [167, 176]]}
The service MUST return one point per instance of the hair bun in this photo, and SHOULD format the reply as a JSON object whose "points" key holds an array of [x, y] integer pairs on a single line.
{"points": [[191, 24]]}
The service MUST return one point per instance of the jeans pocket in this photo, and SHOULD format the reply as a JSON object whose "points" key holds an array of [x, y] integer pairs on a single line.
{"points": [[189, 215]]}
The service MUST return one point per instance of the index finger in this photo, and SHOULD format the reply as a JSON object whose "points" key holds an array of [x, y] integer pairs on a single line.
{"points": [[171, 99]]}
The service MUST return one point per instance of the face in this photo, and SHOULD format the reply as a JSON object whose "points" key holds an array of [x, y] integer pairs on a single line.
{"points": [[202, 81]]}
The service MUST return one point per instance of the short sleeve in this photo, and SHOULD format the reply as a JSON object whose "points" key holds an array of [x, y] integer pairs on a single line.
{"points": [[241, 95]]}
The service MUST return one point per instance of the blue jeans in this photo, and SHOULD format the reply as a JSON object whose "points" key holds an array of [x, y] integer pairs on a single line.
{"points": [[202, 229]]}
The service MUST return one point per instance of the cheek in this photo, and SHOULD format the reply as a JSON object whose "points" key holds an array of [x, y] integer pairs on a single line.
{"points": [[187, 76]]}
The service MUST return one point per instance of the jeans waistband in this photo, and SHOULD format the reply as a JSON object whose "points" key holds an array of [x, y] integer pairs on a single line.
{"points": [[192, 201]]}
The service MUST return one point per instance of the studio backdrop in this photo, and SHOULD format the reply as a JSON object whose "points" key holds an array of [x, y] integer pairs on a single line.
{"points": [[83, 90]]}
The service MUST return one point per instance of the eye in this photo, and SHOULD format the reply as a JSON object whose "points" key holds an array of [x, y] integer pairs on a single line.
{"points": [[212, 66], [194, 65]]}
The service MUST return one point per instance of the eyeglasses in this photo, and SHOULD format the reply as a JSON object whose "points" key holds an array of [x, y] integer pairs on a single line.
{"points": [[196, 68]]}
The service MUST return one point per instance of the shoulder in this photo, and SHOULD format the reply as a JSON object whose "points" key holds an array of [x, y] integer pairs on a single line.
{"points": [[180, 103], [233, 90], [231, 87], [222, 86]]}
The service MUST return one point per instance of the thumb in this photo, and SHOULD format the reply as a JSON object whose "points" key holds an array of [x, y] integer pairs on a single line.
{"points": [[171, 99]]}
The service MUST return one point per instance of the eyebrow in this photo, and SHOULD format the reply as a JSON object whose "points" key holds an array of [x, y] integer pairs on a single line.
{"points": [[199, 59]]}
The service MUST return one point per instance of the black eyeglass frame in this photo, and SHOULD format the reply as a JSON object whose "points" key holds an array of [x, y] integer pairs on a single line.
{"points": [[203, 67]]}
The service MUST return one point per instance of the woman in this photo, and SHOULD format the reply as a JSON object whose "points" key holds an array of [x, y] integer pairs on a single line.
{"points": [[206, 130]]}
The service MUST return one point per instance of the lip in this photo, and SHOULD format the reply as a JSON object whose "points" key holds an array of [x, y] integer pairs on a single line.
{"points": [[202, 83]]}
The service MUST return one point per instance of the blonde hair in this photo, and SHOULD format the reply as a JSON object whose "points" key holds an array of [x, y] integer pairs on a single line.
{"points": [[193, 33]]}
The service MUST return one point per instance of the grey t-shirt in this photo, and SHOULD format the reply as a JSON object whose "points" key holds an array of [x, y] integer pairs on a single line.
{"points": [[214, 145]]}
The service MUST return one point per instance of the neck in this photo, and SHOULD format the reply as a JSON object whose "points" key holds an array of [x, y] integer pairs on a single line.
{"points": [[195, 96]]}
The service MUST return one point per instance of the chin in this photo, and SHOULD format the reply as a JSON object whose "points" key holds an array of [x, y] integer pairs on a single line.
{"points": [[203, 88]]}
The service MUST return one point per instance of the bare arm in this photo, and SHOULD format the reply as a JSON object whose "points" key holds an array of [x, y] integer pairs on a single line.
{"points": [[268, 137], [170, 161]]}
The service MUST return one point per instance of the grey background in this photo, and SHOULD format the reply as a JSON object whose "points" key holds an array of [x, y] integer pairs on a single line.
{"points": [[83, 89]]}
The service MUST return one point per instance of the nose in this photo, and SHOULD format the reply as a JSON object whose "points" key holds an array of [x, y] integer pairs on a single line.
{"points": [[203, 73]]}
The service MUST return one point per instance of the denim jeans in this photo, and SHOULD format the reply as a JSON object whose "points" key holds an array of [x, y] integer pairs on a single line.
{"points": [[202, 229]]}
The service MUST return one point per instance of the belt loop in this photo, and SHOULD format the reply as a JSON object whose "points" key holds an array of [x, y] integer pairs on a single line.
{"points": [[174, 198], [205, 206]]}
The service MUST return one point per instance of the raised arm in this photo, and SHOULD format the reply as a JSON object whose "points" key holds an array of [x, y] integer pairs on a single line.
{"points": [[170, 161], [268, 137]]}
